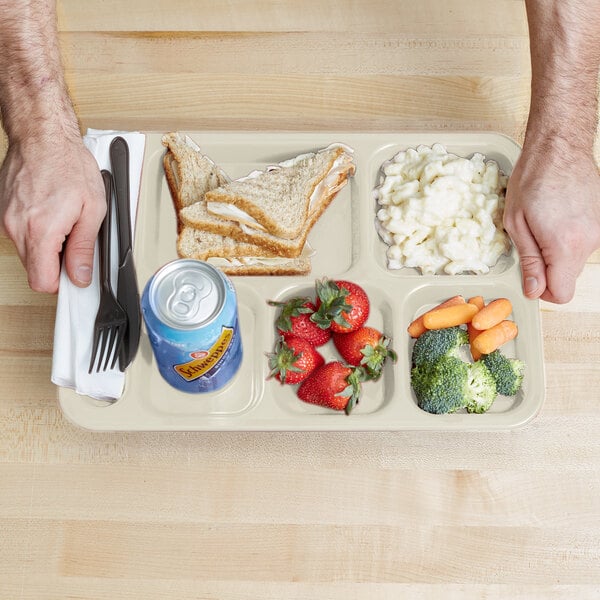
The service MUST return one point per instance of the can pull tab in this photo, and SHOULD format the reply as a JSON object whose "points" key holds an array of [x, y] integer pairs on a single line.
{"points": [[187, 295]]}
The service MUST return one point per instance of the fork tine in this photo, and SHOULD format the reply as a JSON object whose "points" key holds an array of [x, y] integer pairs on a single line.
{"points": [[118, 344], [107, 345], [110, 336], [117, 333], [94, 350], [103, 335]]}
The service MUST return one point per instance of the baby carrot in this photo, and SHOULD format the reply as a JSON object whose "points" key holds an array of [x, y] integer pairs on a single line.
{"points": [[490, 315], [491, 339], [479, 302], [416, 328], [449, 316]]}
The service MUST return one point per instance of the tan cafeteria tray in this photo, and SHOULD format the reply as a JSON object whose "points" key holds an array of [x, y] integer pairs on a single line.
{"points": [[347, 246]]}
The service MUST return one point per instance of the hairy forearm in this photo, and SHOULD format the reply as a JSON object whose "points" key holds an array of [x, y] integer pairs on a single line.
{"points": [[33, 97], [565, 58]]}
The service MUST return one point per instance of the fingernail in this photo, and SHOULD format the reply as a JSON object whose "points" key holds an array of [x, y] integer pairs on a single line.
{"points": [[83, 274], [531, 285]]}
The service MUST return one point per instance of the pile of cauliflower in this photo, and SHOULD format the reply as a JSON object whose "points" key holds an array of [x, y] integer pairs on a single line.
{"points": [[441, 213]]}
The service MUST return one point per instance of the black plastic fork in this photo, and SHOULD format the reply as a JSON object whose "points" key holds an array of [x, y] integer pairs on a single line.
{"points": [[111, 318]]}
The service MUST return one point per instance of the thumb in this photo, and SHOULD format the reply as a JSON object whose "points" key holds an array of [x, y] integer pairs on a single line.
{"points": [[533, 266], [79, 249]]}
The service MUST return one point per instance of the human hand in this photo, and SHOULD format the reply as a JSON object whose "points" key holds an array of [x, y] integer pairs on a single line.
{"points": [[552, 214], [52, 191]]}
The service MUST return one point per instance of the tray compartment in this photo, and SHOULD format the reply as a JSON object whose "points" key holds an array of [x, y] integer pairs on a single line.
{"points": [[525, 346], [378, 248], [376, 395], [237, 397]]}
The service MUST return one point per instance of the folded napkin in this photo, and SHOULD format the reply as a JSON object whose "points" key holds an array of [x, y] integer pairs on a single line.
{"points": [[76, 307]]}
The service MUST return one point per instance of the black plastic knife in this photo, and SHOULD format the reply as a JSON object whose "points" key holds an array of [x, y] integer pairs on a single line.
{"points": [[127, 288]]}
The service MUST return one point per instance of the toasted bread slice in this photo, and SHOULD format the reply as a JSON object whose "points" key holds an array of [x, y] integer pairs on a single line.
{"points": [[190, 174], [236, 258], [280, 199], [196, 243]]}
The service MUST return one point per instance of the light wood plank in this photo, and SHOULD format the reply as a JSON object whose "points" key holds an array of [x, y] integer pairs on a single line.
{"points": [[347, 496], [570, 387], [571, 337], [21, 331], [386, 16], [417, 554], [587, 291], [540, 444], [58, 588], [14, 288], [286, 53], [155, 102]]}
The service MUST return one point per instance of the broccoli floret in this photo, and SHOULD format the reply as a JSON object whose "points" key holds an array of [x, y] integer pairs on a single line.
{"points": [[435, 343], [481, 388], [507, 372], [441, 387]]}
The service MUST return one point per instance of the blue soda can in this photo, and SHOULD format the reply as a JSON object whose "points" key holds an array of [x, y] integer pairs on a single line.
{"points": [[190, 311]]}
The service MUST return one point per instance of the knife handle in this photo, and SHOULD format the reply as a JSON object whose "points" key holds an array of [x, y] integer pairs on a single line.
{"points": [[119, 160]]}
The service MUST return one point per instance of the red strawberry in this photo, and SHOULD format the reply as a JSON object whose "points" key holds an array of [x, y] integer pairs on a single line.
{"points": [[365, 347], [333, 385], [341, 305], [294, 319], [293, 360]]}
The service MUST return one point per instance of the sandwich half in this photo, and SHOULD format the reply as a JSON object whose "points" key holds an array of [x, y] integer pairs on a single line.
{"points": [[276, 208], [190, 174]]}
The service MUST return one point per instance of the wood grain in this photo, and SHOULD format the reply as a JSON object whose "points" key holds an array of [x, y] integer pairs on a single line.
{"points": [[380, 16], [387, 515]]}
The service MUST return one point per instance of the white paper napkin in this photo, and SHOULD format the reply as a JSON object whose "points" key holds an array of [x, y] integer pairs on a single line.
{"points": [[76, 307]]}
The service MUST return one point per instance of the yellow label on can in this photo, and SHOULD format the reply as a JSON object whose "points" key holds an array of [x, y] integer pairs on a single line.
{"points": [[198, 367]]}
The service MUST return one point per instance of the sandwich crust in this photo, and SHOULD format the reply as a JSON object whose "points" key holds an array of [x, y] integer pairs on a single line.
{"points": [[236, 258]]}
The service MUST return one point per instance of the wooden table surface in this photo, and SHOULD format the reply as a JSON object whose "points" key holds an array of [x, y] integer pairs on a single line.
{"points": [[298, 515]]}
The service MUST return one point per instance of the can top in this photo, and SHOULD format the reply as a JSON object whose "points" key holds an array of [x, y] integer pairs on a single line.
{"points": [[187, 294]]}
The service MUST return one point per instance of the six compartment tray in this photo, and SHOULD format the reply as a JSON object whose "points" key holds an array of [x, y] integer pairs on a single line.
{"points": [[347, 246]]}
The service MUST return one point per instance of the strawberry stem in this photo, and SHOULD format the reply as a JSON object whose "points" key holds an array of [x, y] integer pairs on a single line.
{"points": [[333, 304], [282, 360], [374, 358], [291, 308], [354, 389]]}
